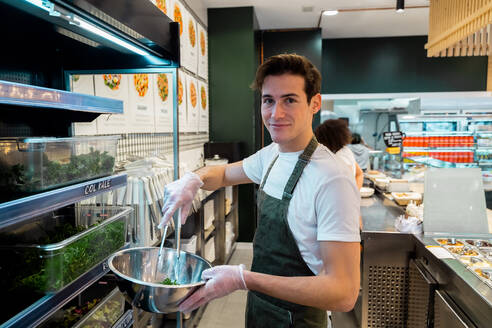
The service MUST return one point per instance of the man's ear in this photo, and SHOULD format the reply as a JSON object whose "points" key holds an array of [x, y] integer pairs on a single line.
{"points": [[315, 104]]}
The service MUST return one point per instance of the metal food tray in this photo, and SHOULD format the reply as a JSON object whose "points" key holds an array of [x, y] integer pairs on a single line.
{"points": [[91, 318], [48, 267], [33, 165], [483, 253]]}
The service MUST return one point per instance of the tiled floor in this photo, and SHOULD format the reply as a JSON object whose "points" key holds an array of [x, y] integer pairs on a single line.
{"points": [[229, 311]]}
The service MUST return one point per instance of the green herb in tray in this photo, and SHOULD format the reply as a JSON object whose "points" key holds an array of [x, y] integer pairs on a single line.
{"points": [[168, 281], [51, 269], [18, 179]]}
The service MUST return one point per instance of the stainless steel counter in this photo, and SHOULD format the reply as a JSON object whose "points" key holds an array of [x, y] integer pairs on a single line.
{"points": [[387, 273]]}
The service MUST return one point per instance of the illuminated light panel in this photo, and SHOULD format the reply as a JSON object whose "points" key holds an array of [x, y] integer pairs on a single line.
{"points": [[330, 12], [43, 4], [96, 30]]}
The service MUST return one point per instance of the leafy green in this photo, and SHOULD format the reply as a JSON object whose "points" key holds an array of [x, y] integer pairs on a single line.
{"points": [[168, 281], [43, 270], [17, 179]]}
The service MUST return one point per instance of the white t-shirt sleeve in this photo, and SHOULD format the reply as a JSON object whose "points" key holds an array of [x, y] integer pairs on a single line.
{"points": [[253, 165], [338, 211]]}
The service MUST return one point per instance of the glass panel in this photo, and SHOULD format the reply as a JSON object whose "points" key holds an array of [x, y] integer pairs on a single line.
{"points": [[454, 202]]}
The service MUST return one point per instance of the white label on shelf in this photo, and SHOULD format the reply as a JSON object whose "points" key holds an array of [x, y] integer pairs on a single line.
{"points": [[439, 252]]}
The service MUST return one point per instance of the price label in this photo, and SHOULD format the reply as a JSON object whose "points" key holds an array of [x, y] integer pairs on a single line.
{"points": [[393, 138], [95, 187]]}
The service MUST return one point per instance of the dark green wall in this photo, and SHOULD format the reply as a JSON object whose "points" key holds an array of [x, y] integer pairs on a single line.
{"points": [[307, 43], [232, 67], [367, 65]]}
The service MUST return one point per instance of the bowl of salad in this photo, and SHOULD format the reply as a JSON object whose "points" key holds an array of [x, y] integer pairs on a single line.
{"points": [[161, 290]]}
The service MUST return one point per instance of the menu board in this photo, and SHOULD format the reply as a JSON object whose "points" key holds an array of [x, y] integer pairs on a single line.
{"points": [[163, 5], [192, 106], [177, 16], [191, 43], [393, 138], [202, 52], [203, 107], [182, 101], [141, 103], [113, 86], [83, 84], [163, 101]]}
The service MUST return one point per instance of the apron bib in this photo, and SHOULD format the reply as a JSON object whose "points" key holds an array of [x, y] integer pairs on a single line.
{"points": [[275, 252]]}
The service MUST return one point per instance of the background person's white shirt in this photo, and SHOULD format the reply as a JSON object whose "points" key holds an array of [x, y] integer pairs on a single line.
{"points": [[347, 156], [325, 205], [361, 154]]}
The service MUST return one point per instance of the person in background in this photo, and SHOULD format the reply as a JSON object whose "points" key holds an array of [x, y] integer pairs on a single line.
{"points": [[306, 257], [360, 150], [335, 135]]}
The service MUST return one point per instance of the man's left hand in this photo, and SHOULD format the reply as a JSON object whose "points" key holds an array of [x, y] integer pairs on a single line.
{"points": [[221, 281]]}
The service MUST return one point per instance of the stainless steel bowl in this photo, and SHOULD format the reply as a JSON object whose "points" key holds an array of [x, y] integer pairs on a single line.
{"points": [[135, 270]]}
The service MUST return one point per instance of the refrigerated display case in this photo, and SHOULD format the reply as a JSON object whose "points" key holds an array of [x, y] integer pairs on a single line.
{"points": [[448, 141]]}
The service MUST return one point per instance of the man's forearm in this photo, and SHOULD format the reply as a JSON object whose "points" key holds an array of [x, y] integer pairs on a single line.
{"points": [[324, 291], [215, 177], [212, 177]]}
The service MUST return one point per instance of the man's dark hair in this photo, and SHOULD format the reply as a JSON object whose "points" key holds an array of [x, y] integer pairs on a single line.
{"points": [[356, 139], [334, 134], [290, 64]]}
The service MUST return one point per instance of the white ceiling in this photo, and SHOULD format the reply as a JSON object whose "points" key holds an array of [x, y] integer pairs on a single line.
{"points": [[285, 14]]}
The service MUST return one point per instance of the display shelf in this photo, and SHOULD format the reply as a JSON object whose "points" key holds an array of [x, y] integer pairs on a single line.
{"points": [[413, 149], [24, 95], [41, 310], [31, 206]]}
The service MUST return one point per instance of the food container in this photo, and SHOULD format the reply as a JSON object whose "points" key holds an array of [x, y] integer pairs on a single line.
{"points": [[404, 198], [366, 192], [106, 312], [398, 185], [449, 241], [476, 262], [38, 164], [52, 250], [142, 284], [479, 242], [381, 183]]}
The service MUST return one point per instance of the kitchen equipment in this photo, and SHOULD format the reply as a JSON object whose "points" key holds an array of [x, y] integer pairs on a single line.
{"points": [[159, 257], [135, 267], [216, 160]]}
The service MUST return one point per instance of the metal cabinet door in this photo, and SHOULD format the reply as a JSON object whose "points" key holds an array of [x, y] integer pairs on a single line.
{"points": [[447, 314], [421, 287]]}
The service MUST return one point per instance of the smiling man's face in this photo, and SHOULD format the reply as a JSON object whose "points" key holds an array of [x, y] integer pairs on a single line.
{"points": [[286, 112]]}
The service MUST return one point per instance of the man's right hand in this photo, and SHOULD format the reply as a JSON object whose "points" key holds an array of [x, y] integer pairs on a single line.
{"points": [[180, 194]]}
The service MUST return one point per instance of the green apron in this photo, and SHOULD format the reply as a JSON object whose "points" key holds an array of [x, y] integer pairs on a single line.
{"points": [[275, 252]]}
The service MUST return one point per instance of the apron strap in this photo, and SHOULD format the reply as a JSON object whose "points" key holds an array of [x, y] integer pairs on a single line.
{"points": [[268, 172], [303, 160]]}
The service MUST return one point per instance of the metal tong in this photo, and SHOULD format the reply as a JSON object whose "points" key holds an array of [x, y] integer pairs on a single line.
{"points": [[177, 232]]}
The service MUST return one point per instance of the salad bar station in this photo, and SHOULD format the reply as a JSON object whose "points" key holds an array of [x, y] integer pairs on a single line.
{"points": [[54, 243]]}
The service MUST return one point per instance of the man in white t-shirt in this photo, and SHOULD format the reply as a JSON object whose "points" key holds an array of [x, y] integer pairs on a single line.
{"points": [[306, 247]]}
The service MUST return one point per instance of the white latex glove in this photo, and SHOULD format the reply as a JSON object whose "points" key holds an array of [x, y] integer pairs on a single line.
{"points": [[221, 281], [180, 194]]}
